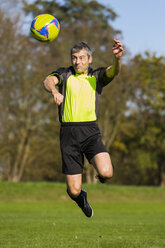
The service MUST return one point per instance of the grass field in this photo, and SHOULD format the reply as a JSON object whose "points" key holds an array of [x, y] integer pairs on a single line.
{"points": [[41, 215]]}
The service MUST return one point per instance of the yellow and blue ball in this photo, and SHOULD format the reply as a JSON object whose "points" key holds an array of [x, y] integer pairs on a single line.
{"points": [[45, 27]]}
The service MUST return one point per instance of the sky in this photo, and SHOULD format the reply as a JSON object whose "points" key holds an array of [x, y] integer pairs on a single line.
{"points": [[142, 23]]}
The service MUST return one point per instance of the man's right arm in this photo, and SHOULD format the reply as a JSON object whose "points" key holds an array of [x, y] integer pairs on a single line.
{"points": [[50, 84]]}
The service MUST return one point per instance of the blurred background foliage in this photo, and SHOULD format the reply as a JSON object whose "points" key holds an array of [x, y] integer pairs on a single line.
{"points": [[132, 107]]}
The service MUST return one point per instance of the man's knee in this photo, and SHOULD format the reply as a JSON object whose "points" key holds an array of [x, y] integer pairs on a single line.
{"points": [[74, 191], [74, 185], [107, 172]]}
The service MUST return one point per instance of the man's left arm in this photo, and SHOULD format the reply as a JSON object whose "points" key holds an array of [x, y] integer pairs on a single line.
{"points": [[115, 68]]}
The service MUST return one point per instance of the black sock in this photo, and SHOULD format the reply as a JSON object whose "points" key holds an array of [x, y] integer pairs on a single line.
{"points": [[79, 199]]}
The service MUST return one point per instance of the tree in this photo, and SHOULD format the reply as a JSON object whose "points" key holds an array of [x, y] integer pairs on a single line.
{"points": [[22, 99], [142, 138]]}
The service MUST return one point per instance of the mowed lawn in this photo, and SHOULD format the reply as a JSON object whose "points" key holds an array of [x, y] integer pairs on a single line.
{"points": [[41, 215]]}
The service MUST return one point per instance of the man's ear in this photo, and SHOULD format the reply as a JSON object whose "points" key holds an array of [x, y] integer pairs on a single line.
{"points": [[90, 60]]}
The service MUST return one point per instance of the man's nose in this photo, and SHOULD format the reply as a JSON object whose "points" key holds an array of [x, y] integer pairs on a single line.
{"points": [[78, 60]]}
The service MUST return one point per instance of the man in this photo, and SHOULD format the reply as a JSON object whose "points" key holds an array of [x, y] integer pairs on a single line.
{"points": [[79, 88]]}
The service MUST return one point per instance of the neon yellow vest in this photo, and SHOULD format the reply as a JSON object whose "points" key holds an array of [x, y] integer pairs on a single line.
{"points": [[80, 99]]}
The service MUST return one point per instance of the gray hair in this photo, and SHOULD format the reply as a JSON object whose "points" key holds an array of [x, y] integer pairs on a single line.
{"points": [[79, 46]]}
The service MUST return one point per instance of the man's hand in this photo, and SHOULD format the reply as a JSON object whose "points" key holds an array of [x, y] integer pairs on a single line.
{"points": [[117, 49], [58, 98]]}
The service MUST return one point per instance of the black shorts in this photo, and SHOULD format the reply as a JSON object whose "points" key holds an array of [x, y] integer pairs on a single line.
{"points": [[77, 139]]}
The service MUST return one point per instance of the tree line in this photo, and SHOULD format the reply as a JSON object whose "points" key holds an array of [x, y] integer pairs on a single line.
{"points": [[132, 107]]}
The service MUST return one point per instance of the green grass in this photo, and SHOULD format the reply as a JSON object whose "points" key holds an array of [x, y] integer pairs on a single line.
{"points": [[41, 215]]}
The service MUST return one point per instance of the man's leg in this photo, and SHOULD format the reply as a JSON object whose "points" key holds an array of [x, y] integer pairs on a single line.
{"points": [[103, 165], [77, 194], [74, 184]]}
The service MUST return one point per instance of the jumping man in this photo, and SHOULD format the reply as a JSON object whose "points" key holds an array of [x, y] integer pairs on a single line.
{"points": [[79, 88]]}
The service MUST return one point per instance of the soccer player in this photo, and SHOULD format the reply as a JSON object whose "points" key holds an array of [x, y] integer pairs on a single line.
{"points": [[76, 90]]}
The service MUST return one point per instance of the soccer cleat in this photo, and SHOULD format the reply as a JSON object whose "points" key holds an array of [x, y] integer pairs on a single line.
{"points": [[82, 202], [84, 205]]}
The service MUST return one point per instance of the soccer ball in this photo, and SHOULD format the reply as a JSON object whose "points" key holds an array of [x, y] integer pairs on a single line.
{"points": [[45, 27]]}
